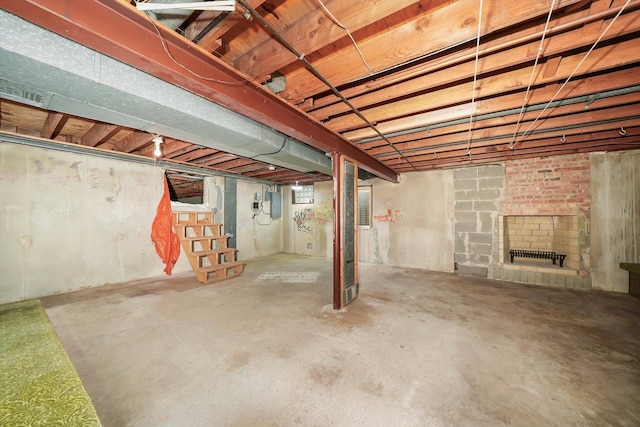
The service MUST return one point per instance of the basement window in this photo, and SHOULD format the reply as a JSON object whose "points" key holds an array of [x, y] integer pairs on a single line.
{"points": [[186, 188], [364, 206], [302, 194]]}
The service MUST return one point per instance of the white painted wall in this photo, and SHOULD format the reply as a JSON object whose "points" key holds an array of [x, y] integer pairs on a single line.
{"points": [[308, 228], [615, 217], [413, 222], [258, 235], [70, 221], [412, 227]]}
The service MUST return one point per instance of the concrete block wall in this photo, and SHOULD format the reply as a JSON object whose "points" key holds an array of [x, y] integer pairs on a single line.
{"points": [[477, 195]]}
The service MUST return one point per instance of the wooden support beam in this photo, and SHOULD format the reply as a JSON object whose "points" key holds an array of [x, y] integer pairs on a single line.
{"points": [[212, 40], [133, 142], [496, 54], [579, 87], [98, 134], [317, 30], [427, 33], [505, 127], [53, 125], [132, 39], [599, 59]]}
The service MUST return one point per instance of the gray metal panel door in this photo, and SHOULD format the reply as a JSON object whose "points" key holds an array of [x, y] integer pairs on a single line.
{"points": [[345, 250]]}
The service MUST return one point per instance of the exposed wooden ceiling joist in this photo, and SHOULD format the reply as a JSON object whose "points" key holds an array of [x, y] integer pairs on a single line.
{"points": [[418, 98]]}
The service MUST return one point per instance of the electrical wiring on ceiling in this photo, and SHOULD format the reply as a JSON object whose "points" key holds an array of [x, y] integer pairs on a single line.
{"points": [[526, 132], [532, 77], [165, 47], [339, 24], [322, 78], [475, 79]]}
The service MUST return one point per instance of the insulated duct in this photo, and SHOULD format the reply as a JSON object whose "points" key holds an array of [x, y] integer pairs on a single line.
{"points": [[40, 68]]}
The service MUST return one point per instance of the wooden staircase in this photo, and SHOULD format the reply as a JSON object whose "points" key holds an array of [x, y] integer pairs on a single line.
{"points": [[206, 247]]}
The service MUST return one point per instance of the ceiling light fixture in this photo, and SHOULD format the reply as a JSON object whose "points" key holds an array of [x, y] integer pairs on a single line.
{"points": [[272, 167], [157, 141], [563, 139], [622, 131]]}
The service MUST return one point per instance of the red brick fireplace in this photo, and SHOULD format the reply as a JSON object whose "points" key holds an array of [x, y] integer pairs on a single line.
{"points": [[545, 208]]}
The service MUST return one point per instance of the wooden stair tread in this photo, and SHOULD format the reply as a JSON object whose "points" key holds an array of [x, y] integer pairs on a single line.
{"points": [[221, 266], [213, 251], [218, 267], [195, 239]]}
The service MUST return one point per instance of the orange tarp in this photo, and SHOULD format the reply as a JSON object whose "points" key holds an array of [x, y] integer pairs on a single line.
{"points": [[162, 235]]}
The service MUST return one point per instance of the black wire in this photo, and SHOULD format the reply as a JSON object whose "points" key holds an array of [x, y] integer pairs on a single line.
{"points": [[270, 154]]}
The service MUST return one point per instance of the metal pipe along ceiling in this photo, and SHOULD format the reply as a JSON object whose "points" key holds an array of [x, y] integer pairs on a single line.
{"points": [[318, 75], [131, 39]]}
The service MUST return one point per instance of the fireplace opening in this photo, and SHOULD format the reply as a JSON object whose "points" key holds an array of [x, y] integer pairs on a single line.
{"points": [[544, 235]]}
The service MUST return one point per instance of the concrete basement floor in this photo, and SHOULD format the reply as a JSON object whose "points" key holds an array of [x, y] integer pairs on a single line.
{"points": [[417, 348]]}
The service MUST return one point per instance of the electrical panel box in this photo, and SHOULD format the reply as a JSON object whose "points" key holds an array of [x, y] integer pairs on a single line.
{"points": [[276, 203]]}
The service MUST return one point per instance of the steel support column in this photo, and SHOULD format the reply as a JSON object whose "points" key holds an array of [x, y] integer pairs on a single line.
{"points": [[117, 29]]}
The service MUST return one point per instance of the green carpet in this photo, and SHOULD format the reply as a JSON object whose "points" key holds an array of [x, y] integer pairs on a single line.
{"points": [[38, 384]]}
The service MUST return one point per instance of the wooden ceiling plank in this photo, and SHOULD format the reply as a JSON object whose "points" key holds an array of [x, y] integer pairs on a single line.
{"points": [[229, 165], [496, 123], [617, 116], [599, 59], [279, 15], [578, 87], [251, 170], [595, 28], [133, 142], [428, 33], [221, 159], [265, 173], [503, 135], [559, 33], [210, 41], [99, 133], [316, 30], [460, 157], [440, 152], [171, 149], [498, 61], [196, 154], [52, 125], [126, 39]]}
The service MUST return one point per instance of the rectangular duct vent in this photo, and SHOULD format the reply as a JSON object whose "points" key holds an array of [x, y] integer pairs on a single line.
{"points": [[17, 92]]}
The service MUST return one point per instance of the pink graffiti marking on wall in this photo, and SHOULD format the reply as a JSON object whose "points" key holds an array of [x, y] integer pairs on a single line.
{"points": [[391, 216]]}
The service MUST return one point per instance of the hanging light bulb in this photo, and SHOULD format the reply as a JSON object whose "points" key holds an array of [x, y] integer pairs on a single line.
{"points": [[157, 141]]}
